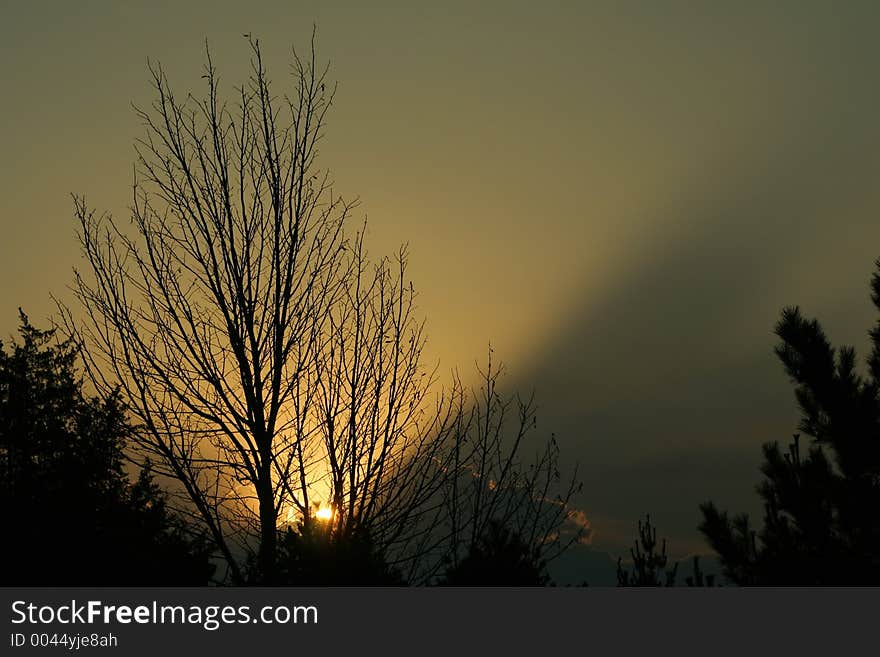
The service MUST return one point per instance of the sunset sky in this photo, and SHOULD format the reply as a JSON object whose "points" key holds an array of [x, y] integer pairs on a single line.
{"points": [[620, 196]]}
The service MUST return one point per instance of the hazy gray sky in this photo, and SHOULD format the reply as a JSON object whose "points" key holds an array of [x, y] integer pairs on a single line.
{"points": [[620, 196]]}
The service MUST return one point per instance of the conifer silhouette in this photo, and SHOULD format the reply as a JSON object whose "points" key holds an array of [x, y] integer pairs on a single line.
{"points": [[821, 522], [71, 514], [649, 566]]}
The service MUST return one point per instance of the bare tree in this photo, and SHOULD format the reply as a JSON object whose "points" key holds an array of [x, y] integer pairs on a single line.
{"points": [[496, 486], [274, 369]]}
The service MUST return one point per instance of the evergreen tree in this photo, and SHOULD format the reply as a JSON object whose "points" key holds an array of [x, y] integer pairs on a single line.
{"points": [[821, 522], [649, 565], [71, 515]]}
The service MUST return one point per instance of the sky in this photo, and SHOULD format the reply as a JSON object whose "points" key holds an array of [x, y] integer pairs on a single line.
{"points": [[619, 196]]}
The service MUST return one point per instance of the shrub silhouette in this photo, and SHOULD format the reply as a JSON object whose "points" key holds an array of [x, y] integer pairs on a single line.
{"points": [[821, 522], [312, 554], [71, 513], [499, 557]]}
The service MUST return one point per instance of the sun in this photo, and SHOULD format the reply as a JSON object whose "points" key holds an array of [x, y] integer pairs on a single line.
{"points": [[324, 514]]}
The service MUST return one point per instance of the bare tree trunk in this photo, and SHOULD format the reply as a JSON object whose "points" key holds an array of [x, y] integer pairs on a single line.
{"points": [[267, 555]]}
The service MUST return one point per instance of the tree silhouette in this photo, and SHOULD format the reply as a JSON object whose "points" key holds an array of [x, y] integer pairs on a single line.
{"points": [[698, 579], [499, 557], [72, 516], [268, 361], [821, 522], [311, 554], [649, 566], [497, 505]]}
